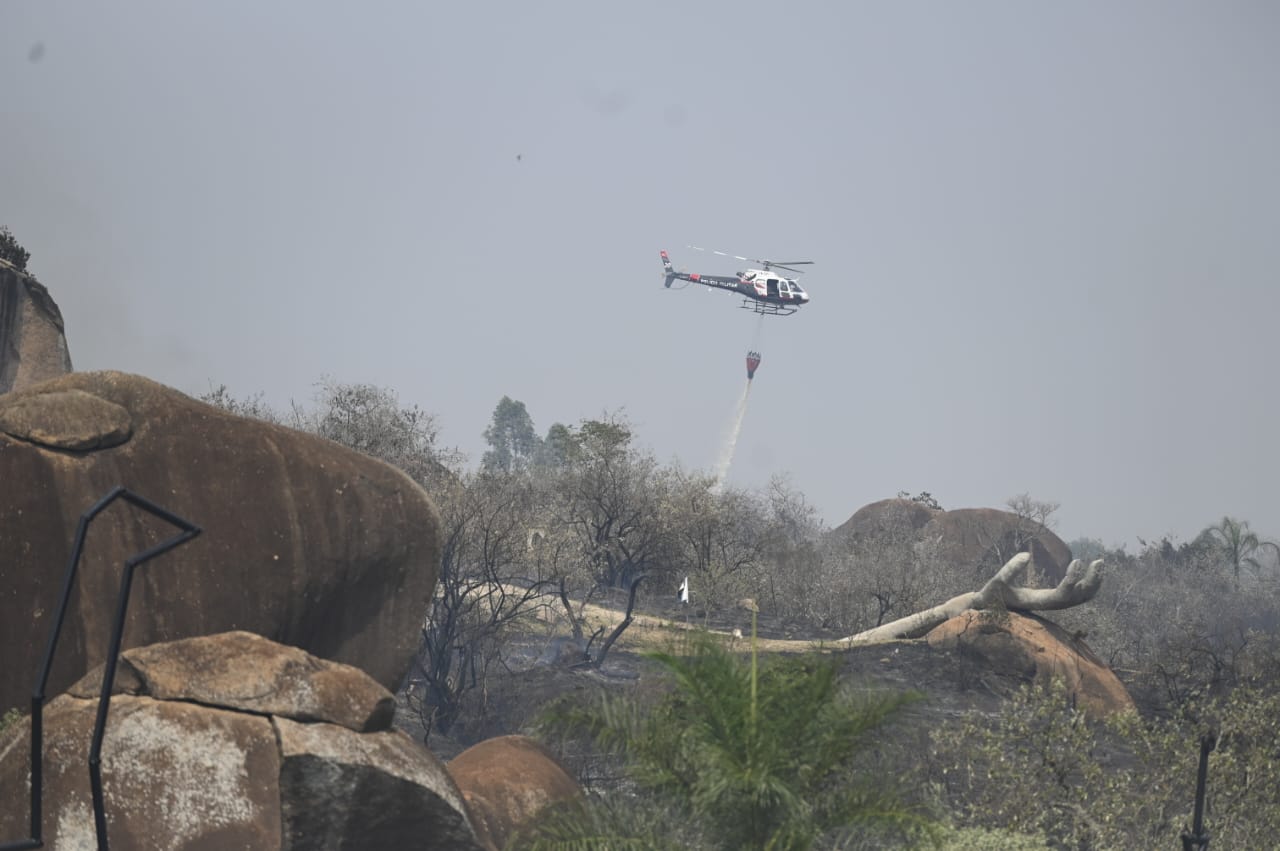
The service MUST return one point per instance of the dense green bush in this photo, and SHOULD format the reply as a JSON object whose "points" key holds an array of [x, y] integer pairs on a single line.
{"points": [[1043, 768]]}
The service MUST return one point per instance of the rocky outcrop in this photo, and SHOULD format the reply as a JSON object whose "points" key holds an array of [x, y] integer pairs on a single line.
{"points": [[1032, 649], [975, 538], [33, 343], [265, 747], [305, 542], [897, 517], [341, 789], [507, 781], [246, 672]]}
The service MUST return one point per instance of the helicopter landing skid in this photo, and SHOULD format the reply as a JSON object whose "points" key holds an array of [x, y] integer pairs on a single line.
{"points": [[767, 309]]}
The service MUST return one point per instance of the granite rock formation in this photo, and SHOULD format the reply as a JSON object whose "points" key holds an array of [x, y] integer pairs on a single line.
{"points": [[33, 343], [233, 741], [507, 782], [304, 541], [969, 538], [1033, 649]]}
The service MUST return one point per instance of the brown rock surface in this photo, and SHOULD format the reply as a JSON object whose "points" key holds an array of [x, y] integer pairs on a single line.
{"points": [[33, 343], [179, 774], [506, 782], [174, 775], [70, 420], [1032, 648], [888, 516], [967, 537], [240, 670], [340, 789], [305, 542]]}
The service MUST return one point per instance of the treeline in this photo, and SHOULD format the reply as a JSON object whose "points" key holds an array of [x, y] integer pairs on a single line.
{"points": [[584, 511], [573, 515]]}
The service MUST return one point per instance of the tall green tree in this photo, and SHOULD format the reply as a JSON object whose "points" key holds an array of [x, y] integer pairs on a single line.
{"points": [[558, 447], [757, 756], [601, 522], [1240, 545], [607, 499], [512, 441]]}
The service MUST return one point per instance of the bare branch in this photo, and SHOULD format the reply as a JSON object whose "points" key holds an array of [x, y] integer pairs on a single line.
{"points": [[1079, 585], [618, 630]]}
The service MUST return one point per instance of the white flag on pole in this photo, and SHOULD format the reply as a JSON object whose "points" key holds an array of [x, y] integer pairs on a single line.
{"points": [[684, 590]]}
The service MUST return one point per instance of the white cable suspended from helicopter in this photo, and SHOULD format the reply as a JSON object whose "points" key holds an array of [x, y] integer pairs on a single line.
{"points": [[765, 291]]}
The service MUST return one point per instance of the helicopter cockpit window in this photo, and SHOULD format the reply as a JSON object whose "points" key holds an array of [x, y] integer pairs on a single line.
{"points": [[795, 288]]}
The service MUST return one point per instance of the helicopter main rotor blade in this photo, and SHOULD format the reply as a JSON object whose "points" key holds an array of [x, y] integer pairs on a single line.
{"points": [[767, 264], [721, 253], [788, 265]]}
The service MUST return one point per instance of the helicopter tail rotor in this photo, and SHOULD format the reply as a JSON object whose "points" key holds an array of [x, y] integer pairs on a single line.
{"points": [[669, 273]]}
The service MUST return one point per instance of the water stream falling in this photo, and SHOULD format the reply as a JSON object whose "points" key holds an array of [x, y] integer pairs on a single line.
{"points": [[731, 440]]}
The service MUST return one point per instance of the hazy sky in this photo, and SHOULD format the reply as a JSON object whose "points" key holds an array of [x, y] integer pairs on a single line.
{"points": [[1047, 234]]}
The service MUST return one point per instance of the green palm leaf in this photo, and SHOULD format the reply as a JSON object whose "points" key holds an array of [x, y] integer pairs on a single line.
{"points": [[758, 755]]}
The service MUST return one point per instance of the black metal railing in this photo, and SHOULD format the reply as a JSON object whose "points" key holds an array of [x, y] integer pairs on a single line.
{"points": [[187, 532], [1198, 838]]}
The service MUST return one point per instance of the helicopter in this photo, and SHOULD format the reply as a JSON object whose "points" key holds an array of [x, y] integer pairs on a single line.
{"points": [[764, 291]]}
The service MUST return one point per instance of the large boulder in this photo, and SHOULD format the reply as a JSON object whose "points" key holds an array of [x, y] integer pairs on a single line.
{"points": [[266, 748], [33, 343], [246, 672], [304, 541], [900, 518], [507, 782], [1032, 649], [973, 539]]}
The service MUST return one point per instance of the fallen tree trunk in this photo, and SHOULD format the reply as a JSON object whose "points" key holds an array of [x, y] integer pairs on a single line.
{"points": [[1079, 585]]}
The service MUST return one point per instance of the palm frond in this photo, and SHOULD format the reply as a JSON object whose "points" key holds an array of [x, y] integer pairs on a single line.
{"points": [[760, 755]]}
